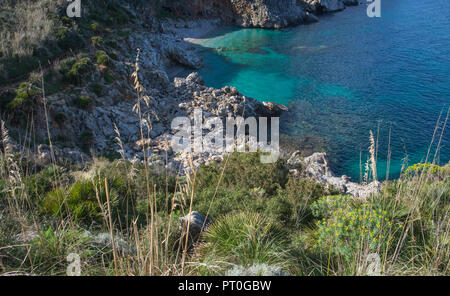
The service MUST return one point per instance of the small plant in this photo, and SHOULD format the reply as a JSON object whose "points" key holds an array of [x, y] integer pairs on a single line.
{"points": [[60, 118], [68, 39], [79, 70], [48, 252], [97, 41], [84, 102], [109, 78], [112, 43], [86, 139], [65, 65], [242, 239], [425, 168], [24, 94], [95, 27], [347, 228], [102, 58], [97, 89]]}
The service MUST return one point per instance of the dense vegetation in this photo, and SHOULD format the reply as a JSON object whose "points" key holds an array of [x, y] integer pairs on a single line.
{"points": [[263, 220], [122, 218]]}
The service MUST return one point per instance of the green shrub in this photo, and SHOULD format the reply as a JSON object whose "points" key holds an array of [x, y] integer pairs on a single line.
{"points": [[87, 139], [60, 118], [78, 202], [79, 70], [97, 89], [114, 56], [41, 183], [82, 199], [68, 39], [109, 78], [48, 252], [241, 239], [24, 95], [65, 65], [6, 96], [84, 102], [97, 41], [348, 229], [426, 168], [95, 27], [110, 14], [102, 58], [301, 193], [226, 200], [112, 43], [53, 203], [245, 171]]}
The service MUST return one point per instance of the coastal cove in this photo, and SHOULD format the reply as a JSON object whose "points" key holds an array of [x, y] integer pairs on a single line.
{"points": [[345, 76], [142, 139]]}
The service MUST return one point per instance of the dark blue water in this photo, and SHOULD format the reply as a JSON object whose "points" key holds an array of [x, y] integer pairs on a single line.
{"points": [[347, 75]]}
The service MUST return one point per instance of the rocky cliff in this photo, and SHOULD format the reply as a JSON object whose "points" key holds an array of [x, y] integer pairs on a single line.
{"points": [[271, 14], [267, 13], [89, 111]]}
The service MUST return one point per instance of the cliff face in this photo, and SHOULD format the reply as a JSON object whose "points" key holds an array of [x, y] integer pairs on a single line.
{"points": [[272, 14], [247, 13], [201, 9], [267, 13], [324, 6]]}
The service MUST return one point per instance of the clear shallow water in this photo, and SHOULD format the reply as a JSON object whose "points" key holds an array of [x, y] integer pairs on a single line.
{"points": [[346, 75]]}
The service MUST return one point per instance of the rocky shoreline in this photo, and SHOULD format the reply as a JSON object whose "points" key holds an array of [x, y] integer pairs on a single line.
{"points": [[168, 44]]}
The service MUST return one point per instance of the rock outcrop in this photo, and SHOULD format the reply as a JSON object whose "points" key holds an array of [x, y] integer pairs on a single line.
{"points": [[272, 14], [316, 167], [267, 13], [322, 6], [96, 127], [194, 223]]}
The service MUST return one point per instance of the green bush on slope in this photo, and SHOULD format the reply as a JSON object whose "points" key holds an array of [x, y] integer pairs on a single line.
{"points": [[241, 239]]}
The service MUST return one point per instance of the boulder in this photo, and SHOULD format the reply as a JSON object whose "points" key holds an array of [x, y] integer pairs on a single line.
{"points": [[103, 241], [194, 223], [316, 167]]}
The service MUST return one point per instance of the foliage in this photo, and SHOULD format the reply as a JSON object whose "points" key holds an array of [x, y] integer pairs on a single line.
{"points": [[97, 40], [79, 70], [84, 102], [24, 95], [346, 227], [102, 58], [242, 239]]}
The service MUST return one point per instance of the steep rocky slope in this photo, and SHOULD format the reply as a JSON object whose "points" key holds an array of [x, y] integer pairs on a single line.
{"points": [[95, 97], [272, 14], [267, 13]]}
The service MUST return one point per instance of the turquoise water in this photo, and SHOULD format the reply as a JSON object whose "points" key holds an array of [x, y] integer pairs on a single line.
{"points": [[346, 75]]}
